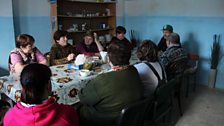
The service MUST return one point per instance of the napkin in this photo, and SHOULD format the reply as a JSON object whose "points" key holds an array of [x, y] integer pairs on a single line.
{"points": [[80, 59], [103, 55]]}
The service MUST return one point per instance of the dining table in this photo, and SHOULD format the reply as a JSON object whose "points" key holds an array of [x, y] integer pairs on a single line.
{"points": [[65, 82]]}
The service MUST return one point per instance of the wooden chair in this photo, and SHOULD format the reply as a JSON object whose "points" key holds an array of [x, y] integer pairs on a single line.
{"points": [[163, 100], [47, 56], [4, 107], [176, 68], [176, 71], [177, 92], [191, 70], [150, 110], [134, 114]]}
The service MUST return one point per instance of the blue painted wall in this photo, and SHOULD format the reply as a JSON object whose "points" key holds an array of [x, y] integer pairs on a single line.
{"points": [[195, 21], [6, 34], [23, 16], [38, 27], [33, 17]]}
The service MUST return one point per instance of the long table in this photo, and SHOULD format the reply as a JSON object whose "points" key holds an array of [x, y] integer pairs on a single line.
{"points": [[65, 83]]}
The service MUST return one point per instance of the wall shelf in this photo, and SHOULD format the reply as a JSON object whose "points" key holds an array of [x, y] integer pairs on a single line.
{"points": [[93, 30], [67, 14], [88, 17], [90, 2]]}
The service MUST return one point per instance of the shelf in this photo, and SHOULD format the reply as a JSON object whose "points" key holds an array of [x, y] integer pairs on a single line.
{"points": [[65, 16], [93, 2], [93, 30], [67, 13]]}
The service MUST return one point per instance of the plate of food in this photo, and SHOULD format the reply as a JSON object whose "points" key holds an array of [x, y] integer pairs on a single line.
{"points": [[73, 92], [95, 58], [64, 80], [54, 74], [98, 69], [60, 66], [1, 84], [68, 71]]}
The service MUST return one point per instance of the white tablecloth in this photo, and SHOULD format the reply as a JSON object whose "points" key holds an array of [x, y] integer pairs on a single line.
{"points": [[66, 92]]}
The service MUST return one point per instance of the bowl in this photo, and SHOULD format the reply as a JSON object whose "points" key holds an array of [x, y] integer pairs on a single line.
{"points": [[84, 72]]}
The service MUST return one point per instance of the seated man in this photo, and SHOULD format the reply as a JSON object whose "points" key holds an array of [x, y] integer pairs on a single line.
{"points": [[24, 54], [174, 58], [105, 96], [35, 107], [61, 52], [148, 54], [120, 32], [167, 30], [90, 46]]}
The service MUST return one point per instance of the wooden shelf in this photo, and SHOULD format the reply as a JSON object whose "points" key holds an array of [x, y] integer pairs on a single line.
{"points": [[67, 13], [90, 2], [93, 30], [92, 17]]}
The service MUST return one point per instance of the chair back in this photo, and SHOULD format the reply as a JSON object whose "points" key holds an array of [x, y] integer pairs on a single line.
{"points": [[193, 58], [4, 107], [47, 56], [176, 68], [163, 99], [134, 114], [164, 91]]}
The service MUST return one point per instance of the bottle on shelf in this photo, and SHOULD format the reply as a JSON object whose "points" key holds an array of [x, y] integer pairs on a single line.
{"points": [[84, 13]]}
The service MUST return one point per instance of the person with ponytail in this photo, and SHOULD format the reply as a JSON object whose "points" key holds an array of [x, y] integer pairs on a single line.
{"points": [[36, 106]]}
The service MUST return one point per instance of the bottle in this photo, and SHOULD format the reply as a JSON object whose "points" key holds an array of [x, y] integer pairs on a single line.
{"points": [[74, 67], [84, 13]]}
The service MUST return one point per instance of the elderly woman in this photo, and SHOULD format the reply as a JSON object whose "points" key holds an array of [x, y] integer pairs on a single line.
{"points": [[104, 97], [24, 54], [61, 52], [35, 107], [149, 69], [90, 46]]}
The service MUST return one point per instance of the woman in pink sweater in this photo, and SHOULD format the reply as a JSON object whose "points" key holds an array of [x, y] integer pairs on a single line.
{"points": [[35, 108]]}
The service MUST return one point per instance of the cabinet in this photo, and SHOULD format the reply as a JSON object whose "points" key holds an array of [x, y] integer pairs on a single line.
{"points": [[77, 17]]}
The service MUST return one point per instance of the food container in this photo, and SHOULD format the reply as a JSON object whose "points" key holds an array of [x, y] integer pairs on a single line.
{"points": [[84, 72]]}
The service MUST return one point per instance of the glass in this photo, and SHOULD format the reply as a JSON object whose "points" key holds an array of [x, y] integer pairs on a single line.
{"points": [[88, 63]]}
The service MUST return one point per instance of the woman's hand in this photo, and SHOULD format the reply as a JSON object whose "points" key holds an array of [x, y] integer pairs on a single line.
{"points": [[99, 46], [95, 37], [71, 57]]}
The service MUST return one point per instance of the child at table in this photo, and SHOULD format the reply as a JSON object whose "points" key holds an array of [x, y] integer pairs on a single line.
{"points": [[35, 108]]}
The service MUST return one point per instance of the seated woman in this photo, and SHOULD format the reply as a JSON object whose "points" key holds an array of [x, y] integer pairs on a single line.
{"points": [[24, 54], [35, 107], [89, 47], [105, 96], [61, 52], [120, 32], [148, 55]]}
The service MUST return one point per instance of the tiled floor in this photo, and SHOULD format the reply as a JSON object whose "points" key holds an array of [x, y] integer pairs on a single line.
{"points": [[205, 107]]}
